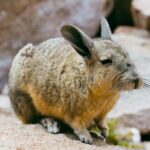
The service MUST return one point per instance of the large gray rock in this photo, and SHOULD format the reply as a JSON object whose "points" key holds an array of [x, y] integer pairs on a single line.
{"points": [[147, 145], [139, 120], [5, 63], [34, 21], [129, 30]]}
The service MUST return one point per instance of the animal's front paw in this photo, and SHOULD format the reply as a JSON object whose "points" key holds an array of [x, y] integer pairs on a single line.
{"points": [[98, 134], [86, 139], [84, 136], [51, 125], [104, 129], [105, 132]]}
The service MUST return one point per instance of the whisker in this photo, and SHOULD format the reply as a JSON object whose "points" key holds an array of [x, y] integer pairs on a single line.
{"points": [[146, 90], [145, 74], [146, 82], [146, 79], [146, 85]]}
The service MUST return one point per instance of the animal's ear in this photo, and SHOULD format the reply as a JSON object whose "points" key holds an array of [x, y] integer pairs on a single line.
{"points": [[105, 29], [78, 39]]}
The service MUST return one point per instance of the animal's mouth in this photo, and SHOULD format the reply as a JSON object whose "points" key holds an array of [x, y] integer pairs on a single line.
{"points": [[137, 82], [128, 84]]}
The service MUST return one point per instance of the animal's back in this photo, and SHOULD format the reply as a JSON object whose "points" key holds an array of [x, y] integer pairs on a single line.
{"points": [[37, 71], [34, 61]]}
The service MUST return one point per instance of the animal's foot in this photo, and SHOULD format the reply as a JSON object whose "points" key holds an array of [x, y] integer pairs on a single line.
{"points": [[100, 133], [51, 125], [102, 124], [105, 132], [84, 136]]}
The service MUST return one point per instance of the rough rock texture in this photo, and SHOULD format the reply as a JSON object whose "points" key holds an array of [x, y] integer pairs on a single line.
{"points": [[141, 13], [132, 31], [147, 145], [140, 120], [5, 63], [34, 21], [16, 136]]}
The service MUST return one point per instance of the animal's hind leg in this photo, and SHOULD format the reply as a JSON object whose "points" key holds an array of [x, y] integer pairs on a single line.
{"points": [[23, 107], [81, 131], [51, 124]]}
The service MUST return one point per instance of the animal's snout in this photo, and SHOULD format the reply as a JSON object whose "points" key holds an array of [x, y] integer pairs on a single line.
{"points": [[137, 82]]}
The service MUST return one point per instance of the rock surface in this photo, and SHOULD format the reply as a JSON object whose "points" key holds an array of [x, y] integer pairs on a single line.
{"points": [[129, 30], [147, 145], [141, 13], [34, 21], [16, 136], [5, 63], [139, 120]]}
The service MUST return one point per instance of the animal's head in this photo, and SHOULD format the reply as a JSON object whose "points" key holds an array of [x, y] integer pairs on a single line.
{"points": [[109, 65]]}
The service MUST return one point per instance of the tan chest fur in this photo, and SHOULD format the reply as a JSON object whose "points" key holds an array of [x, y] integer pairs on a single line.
{"points": [[99, 107]]}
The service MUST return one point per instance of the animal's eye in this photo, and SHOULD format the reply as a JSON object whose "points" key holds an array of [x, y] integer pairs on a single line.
{"points": [[106, 62], [129, 65]]}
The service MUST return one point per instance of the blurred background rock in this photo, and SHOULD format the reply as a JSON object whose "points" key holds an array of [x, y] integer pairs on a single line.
{"points": [[33, 21]]}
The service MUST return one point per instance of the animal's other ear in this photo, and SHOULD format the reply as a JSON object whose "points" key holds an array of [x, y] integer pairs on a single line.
{"points": [[105, 29], [78, 39]]}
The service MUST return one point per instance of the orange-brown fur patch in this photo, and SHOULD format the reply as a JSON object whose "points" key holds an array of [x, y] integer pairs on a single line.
{"points": [[23, 119], [45, 108], [100, 106]]}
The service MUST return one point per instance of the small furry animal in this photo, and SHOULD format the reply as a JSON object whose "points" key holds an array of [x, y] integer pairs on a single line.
{"points": [[73, 79]]}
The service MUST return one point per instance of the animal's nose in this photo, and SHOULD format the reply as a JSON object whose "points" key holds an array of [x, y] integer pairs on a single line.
{"points": [[136, 82]]}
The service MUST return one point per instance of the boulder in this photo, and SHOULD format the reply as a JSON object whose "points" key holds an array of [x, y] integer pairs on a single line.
{"points": [[34, 21], [139, 120], [129, 30], [27, 21], [5, 63], [147, 145], [141, 13]]}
